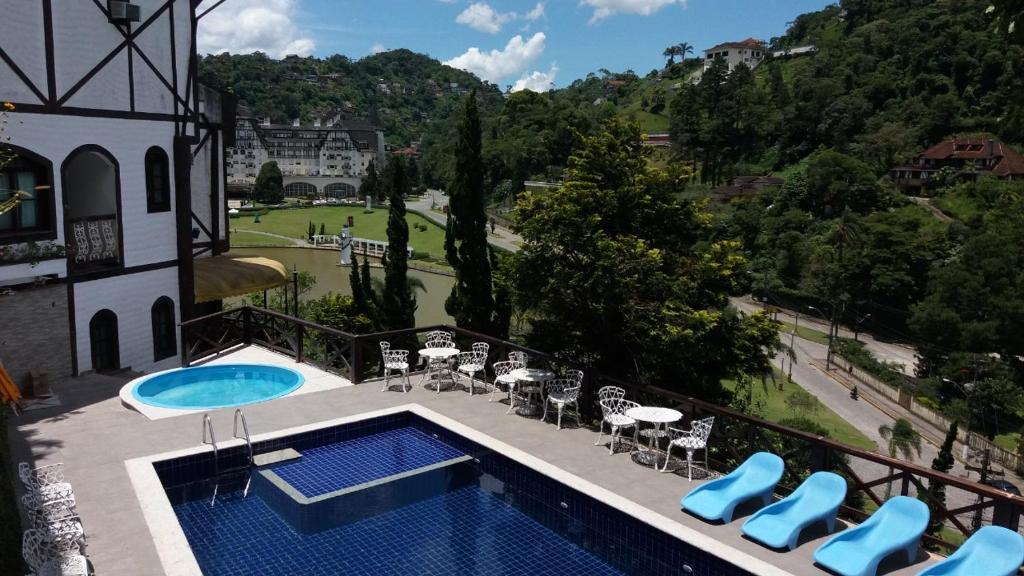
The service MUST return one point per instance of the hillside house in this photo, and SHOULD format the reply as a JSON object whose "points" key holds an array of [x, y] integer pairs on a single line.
{"points": [[750, 52], [967, 157]]}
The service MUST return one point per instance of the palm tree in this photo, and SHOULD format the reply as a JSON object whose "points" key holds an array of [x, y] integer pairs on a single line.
{"points": [[902, 439], [671, 52], [684, 48]]}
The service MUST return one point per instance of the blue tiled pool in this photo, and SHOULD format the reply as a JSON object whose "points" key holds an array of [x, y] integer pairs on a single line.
{"points": [[401, 495]]}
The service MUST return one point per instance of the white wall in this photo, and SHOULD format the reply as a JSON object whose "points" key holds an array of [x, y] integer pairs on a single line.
{"points": [[131, 298], [148, 238]]}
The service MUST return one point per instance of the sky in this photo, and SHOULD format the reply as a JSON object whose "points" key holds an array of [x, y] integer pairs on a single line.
{"points": [[520, 43]]}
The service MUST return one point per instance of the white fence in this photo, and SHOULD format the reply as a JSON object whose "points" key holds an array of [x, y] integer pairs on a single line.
{"points": [[363, 246]]}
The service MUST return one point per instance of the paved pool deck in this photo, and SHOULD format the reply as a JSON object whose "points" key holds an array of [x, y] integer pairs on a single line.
{"points": [[93, 434]]}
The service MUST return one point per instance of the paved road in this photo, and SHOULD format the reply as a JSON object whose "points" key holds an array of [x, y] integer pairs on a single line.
{"points": [[891, 352], [866, 417], [501, 237]]}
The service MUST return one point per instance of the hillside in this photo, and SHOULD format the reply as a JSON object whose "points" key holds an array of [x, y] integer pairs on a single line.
{"points": [[401, 90]]}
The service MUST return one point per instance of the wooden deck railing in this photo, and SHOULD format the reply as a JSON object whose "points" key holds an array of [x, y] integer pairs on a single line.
{"points": [[735, 435]]}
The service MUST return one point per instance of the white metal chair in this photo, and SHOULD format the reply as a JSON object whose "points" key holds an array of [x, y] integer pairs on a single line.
{"points": [[482, 347], [562, 392], [503, 375], [47, 482], [519, 356], [440, 339], [577, 376], [396, 361], [613, 412], [49, 558], [471, 363], [696, 438], [43, 513]]}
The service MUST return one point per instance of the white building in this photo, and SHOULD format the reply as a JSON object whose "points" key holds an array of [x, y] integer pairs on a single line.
{"points": [[750, 52], [329, 158], [122, 150]]}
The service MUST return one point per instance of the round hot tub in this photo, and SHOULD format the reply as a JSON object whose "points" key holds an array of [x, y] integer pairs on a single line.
{"points": [[221, 386]]}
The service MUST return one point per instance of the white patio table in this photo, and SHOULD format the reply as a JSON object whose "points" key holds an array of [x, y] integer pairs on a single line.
{"points": [[659, 417], [534, 379], [434, 354]]}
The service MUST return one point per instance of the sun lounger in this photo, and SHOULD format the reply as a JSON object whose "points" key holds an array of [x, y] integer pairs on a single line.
{"points": [[816, 500], [895, 527], [991, 551], [755, 478]]}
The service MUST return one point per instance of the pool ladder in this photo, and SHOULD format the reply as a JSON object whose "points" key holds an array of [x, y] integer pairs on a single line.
{"points": [[209, 437]]}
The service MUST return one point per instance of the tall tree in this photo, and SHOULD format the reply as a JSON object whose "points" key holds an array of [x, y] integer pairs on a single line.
{"points": [[356, 284], [371, 185], [670, 53], [398, 305], [936, 494], [471, 301], [615, 274], [901, 439], [682, 49], [269, 187]]}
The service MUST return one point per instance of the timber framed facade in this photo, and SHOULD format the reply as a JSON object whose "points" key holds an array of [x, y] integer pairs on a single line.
{"points": [[123, 150]]}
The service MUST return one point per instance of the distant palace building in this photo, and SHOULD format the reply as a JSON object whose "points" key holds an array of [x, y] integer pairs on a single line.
{"points": [[750, 52], [328, 158], [968, 157]]}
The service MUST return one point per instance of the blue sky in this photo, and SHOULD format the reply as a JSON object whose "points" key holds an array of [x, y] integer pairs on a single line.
{"points": [[524, 42]]}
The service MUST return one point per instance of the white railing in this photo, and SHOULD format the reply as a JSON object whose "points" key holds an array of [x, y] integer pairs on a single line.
{"points": [[359, 245]]}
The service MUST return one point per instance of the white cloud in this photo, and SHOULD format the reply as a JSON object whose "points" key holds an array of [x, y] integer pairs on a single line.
{"points": [[245, 26], [480, 16], [377, 48], [537, 81], [536, 13], [605, 8], [497, 64]]}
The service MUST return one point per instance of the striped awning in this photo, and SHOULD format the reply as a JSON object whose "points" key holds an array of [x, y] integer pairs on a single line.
{"points": [[222, 277]]}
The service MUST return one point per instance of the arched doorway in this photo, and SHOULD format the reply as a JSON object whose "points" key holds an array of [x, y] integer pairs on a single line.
{"points": [[300, 190], [92, 193], [103, 341], [339, 190]]}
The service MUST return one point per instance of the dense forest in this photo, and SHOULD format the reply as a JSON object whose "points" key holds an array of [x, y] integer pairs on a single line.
{"points": [[399, 90], [888, 79]]}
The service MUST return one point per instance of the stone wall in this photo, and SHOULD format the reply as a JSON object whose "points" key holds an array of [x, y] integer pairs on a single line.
{"points": [[34, 332]]}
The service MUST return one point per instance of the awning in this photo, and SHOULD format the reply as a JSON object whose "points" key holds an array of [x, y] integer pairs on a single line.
{"points": [[223, 277]]}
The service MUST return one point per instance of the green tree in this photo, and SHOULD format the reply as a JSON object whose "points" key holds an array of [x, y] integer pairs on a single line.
{"points": [[370, 185], [398, 305], [614, 274], [340, 312], [670, 53], [412, 173], [837, 182], [471, 301], [359, 298], [323, 229], [269, 187], [901, 439], [935, 495]]}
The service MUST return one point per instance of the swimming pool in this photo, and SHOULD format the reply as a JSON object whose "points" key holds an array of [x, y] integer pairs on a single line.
{"points": [[220, 386], [401, 494]]}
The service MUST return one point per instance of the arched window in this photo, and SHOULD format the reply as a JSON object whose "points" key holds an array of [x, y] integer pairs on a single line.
{"points": [[103, 339], [158, 183], [165, 342], [31, 178]]}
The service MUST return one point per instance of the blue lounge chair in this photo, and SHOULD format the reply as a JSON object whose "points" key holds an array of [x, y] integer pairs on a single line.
{"points": [[755, 478], [895, 527], [991, 551], [817, 499]]}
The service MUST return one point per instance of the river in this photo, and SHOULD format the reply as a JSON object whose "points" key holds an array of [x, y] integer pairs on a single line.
{"points": [[332, 278]]}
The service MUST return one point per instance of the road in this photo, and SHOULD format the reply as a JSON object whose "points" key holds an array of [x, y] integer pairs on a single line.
{"points": [[501, 237], [867, 417], [898, 355]]}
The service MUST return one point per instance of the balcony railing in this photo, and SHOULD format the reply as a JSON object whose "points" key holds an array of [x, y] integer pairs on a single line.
{"points": [[93, 241], [968, 505]]}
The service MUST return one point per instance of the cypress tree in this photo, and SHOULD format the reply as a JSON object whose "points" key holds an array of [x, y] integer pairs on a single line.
{"points": [[398, 305], [936, 494], [323, 229], [356, 283], [471, 302], [371, 183], [368, 291]]}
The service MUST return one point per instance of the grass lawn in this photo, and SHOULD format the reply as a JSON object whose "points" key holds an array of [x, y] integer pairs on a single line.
{"points": [[242, 238], [958, 205], [1007, 441], [805, 333], [776, 410], [295, 224], [10, 532]]}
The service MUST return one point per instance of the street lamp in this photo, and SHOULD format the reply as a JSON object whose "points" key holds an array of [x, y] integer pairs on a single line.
{"points": [[828, 352], [856, 327], [967, 389]]}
